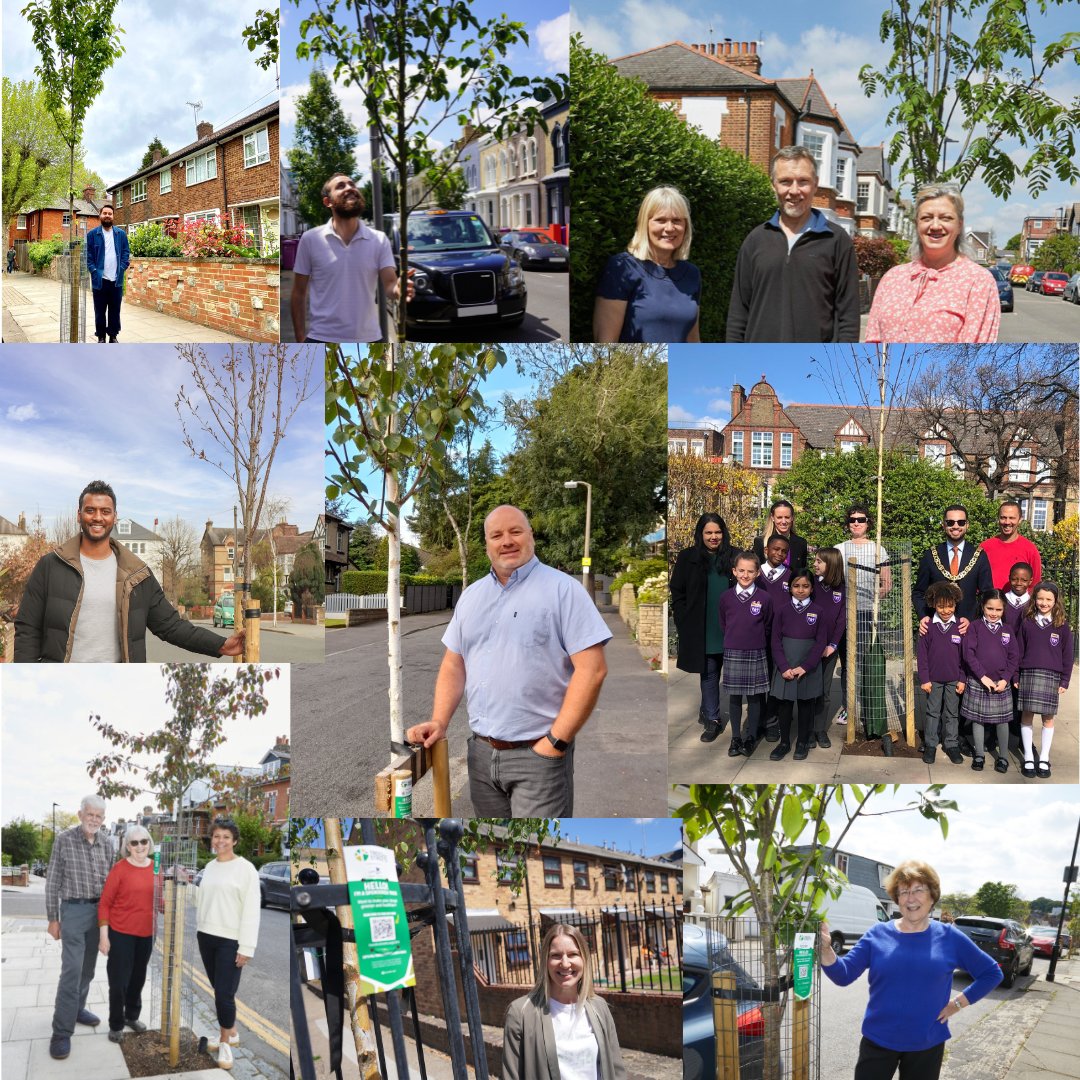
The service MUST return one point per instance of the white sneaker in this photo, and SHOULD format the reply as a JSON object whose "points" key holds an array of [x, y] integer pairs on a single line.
{"points": [[841, 717], [214, 1044], [224, 1056]]}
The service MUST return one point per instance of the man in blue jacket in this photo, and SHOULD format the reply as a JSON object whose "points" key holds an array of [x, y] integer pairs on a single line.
{"points": [[107, 257]]}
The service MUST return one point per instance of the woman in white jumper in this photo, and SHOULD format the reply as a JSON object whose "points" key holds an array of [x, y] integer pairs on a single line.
{"points": [[227, 906]]}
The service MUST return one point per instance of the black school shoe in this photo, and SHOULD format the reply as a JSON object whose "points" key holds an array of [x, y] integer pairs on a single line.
{"points": [[780, 752], [1027, 770], [929, 754], [772, 733], [1001, 765], [711, 733], [800, 751], [749, 745], [735, 749], [823, 740], [954, 755], [1042, 770], [977, 764]]}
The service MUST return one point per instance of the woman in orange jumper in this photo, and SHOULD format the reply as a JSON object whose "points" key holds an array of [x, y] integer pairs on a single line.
{"points": [[126, 921]]}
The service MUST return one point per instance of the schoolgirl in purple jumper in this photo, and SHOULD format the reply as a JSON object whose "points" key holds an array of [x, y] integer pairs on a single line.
{"points": [[940, 673], [1018, 596], [829, 596], [746, 618], [991, 654], [775, 576], [798, 640], [1046, 656]]}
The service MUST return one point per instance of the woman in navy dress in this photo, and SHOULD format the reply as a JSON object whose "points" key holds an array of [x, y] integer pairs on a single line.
{"points": [[649, 292]]}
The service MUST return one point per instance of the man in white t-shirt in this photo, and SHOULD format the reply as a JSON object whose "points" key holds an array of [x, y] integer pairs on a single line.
{"points": [[337, 270], [107, 257]]}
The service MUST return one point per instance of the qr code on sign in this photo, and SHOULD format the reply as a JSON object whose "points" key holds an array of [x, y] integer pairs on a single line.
{"points": [[382, 928]]}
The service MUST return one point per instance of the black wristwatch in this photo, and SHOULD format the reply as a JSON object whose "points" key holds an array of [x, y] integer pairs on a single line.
{"points": [[559, 744]]}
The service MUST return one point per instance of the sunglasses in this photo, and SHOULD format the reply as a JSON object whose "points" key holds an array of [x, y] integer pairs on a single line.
{"points": [[856, 520], [956, 521], [138, 843]]}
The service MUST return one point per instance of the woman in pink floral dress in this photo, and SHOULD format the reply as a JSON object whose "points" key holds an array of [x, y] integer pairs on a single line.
{"points": [[941, 295]]}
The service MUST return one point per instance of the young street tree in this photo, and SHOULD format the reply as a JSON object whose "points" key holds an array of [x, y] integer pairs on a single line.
{"points": [[758, 826], [77, 43], [989, 85], [242, 402], [392, 413], [325, 144], [406, 62]]}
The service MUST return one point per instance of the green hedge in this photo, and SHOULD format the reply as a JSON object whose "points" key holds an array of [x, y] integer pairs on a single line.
{"points": [[625, 144], [637, 572], [373, 582], [42, 252], [151, 240]]}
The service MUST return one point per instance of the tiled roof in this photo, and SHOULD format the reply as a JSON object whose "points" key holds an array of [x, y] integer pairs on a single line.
{"points": [[138, 532], [808, 97], [267, 112], [82, 207], [872, 159], [676, 66], [219, 536], [9, 528]]}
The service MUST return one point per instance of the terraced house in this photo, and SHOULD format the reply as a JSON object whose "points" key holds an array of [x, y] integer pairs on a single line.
{"points": [[228, 176]]}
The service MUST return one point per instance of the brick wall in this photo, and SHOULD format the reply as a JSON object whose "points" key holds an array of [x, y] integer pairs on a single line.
{"points": [[237, 296], [650, 625], [628, 606]]}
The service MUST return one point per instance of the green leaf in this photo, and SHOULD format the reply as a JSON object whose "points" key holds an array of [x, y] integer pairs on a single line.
{"points": [[792, 818]]}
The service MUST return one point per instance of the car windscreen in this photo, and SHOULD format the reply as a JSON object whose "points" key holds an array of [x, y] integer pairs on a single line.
{"points": [[448, 233], [534, 238]]}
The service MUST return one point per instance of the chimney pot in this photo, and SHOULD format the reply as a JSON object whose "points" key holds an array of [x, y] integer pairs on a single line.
{"points": [[204, 128], [88, 193], [22, 521]]}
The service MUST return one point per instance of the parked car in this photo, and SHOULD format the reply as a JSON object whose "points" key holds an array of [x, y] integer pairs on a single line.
{"points": [[1003, 939], [1053, 283], [1005, 290], [275, 881], [1020, 273], [462, 275], [224, 614], [1043, 938], [699, 1033], [1035, 281], [851, 914], [1072, 289], [534, 248]]}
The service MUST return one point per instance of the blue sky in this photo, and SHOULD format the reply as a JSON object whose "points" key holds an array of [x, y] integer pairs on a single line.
{"points": [[174, 53], [547, 54], [66, 421], [834, 40]]}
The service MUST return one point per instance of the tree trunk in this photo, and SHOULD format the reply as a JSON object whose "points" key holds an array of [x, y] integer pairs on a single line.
{"points": [[403, 177], [884, 359], [393, 595], [772, 1012]]}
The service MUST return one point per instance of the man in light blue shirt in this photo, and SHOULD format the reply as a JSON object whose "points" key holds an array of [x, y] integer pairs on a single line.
{"points": [[526, 647]]}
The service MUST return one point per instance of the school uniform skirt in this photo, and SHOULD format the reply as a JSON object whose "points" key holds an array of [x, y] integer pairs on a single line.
{"points": [[745, 671], [809, 686], [1039, 691], [983, 707]]}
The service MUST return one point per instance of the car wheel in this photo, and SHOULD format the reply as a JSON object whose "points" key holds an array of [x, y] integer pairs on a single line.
{"points": [[837, 940], [1030, 964], [1010, 975]]}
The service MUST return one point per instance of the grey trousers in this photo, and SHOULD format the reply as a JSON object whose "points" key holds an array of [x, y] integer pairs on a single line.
{"points": [[519, 783], [942, 705], [79, 942]]}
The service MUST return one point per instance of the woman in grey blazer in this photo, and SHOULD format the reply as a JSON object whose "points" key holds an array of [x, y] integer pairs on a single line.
{"points": [[561, 1030]]}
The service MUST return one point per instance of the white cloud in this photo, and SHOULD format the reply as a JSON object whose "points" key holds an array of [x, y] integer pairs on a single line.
{"points": [[598, 34], [652, 24], [712, 421], [20, 413], [676, 413], [720, 405], [553, 37]]}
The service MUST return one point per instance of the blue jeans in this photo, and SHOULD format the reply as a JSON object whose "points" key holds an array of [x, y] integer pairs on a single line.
{"points": [[710, 688]]}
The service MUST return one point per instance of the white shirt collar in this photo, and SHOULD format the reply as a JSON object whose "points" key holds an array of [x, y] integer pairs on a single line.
{"points": [[1015, 600], [745, 592], [1043, 620], [941, 622], [800, 604]]}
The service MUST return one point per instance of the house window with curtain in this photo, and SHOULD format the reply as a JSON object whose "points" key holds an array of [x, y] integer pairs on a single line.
{"points": [[201, 167], [165, 180], [552, 871], [256, 148], [138, 190]]}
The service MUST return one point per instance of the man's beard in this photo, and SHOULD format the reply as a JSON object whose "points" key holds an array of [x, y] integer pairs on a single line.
{"points": [[345, 210]]}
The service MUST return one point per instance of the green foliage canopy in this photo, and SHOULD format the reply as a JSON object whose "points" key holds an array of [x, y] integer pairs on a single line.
{"points": [[995, 898], [625, 144], [1058, 253], [148, 157], [21, 840]]}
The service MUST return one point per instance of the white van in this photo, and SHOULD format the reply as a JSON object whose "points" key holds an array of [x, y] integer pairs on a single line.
{"points": [[851, 914]]}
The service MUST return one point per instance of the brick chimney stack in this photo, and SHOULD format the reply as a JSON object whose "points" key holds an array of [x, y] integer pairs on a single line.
{"points": [[738, 399], [156, 156], [203, 128], [22, 521], [740, 54], [88, 194]]}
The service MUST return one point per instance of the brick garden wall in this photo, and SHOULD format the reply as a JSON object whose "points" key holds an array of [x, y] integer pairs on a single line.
{"points": [[236, 296]]}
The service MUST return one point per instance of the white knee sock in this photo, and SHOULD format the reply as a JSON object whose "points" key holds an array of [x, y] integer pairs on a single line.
{"points": [[1025, 740], [1047, 739]]}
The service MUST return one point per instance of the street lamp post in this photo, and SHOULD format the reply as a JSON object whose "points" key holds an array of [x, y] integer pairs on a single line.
{"points": [[54, 806], [586, 562]]}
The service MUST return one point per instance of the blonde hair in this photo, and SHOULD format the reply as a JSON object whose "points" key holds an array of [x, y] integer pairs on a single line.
{"points": [[938, 191], [539, 993], [135, 832], [913, 871], [660, 198]]}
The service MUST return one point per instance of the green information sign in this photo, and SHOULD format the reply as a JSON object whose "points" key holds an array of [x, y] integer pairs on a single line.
{"points": [[157, 862], [803, 965], [382, 930]]}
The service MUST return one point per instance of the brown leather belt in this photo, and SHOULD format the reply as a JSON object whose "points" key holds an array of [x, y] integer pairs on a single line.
{"points": [[502, 744]]}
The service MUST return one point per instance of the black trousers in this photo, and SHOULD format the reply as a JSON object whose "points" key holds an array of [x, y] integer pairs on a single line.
{"points": [[877, 1063], [219, 958], [107, 309], [128, 957]]}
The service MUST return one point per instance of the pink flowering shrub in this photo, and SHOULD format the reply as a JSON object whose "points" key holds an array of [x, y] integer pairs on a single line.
{"points": [[208, 239]]}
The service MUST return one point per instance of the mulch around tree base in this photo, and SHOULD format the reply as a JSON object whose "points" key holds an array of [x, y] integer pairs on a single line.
{"points": [[872, 747], [147, 1054]]}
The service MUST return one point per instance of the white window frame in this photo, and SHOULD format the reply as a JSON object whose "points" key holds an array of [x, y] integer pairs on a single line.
{"points": [[165, 180], [203, 215], [862, 202], [1039, 514], [257, 156], [847, 446], [676, 446], [227, 573], [761, 449], [1020, 465], [138, 190], [208, 160], [787, 447], [123, 528], [935, 453], [119, 200], [841, 173], [20, 222], [841, 862], [737, 450], [816, 146], [697, 447], [65, 221]]}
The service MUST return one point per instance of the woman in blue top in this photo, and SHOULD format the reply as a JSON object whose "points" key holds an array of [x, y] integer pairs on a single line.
{"points": [[911, 963], [650, 293]]}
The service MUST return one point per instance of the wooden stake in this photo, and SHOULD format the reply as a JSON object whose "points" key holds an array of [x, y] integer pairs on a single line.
{"points": [[909, 649], [440, 777], [800, 1041], [725, 1024], [852, 640]]}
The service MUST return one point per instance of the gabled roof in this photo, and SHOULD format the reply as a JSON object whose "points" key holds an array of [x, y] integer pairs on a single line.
{"points": [[82, 207], [820, 423], [677, 66], [138, 532], [267, 112], [290, 545], [808, 97], [217, 537], [9, 528], [872, 159]]}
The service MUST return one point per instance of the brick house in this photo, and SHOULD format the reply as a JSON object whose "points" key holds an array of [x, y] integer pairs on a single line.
{"points": [[13, 535], [979, 243], [555, 170], [230, 176], [704, 442], [45, 222], [718, 88], [874, 193], [140, 541], [1035, 230], [221, 552], [768, 437], [273, 781], [335, 549]]}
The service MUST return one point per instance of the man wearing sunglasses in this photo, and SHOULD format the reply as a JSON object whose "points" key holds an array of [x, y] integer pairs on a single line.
{"points": [[957, 560]]}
